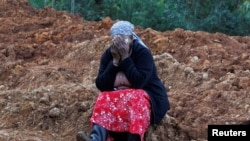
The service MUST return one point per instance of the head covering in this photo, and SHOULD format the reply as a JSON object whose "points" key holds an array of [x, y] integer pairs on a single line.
{"points": [[122, 28], [138, 39], [125, 28]]}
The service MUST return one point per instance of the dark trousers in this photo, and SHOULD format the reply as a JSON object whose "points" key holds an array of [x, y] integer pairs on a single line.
{"points": [[124, 136]]}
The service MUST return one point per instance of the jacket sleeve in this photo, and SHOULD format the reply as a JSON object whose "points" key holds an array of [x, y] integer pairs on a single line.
{"points": [[107, 72], [138, 69]]}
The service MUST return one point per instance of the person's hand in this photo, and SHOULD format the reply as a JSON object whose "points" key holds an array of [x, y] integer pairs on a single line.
{"points": [[115, 54], [122, 45], [121, 81]]}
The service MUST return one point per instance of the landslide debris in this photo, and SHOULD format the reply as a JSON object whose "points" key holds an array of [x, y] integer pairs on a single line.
{"points": [[49, 60]]}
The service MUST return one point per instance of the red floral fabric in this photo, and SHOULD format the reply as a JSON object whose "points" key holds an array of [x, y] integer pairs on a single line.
{"points": [[127, 110]]}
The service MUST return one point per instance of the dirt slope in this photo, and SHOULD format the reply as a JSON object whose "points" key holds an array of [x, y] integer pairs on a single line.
{"points": [[49, 60]]}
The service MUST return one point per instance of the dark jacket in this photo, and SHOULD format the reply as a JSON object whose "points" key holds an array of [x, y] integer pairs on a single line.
{"points": [[141, 72]]}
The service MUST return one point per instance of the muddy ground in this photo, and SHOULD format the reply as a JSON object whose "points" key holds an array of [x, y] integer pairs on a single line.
{"points": [[49, 60]]}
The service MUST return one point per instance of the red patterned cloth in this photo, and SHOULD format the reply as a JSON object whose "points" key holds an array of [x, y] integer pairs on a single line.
{"points": [[127, 110]]}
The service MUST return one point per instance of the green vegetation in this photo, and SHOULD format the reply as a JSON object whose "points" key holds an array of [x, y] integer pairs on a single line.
{"points": [[231, 17]]}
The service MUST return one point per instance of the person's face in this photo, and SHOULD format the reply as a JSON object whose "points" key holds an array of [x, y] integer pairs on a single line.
{"points": [[117, 40], [128, 40]]}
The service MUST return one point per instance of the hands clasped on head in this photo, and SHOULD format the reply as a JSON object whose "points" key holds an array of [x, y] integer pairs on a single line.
{"points": [[120, 48]]}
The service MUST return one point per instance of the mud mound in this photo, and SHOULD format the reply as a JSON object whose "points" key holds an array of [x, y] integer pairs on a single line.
{"points": [[49, 60]]}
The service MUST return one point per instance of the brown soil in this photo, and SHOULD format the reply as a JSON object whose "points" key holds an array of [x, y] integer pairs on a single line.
{"points": [[49, 60]]}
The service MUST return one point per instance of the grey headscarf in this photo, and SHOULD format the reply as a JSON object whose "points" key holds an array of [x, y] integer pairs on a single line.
{"points": [[122, 28], [125, 28]]}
